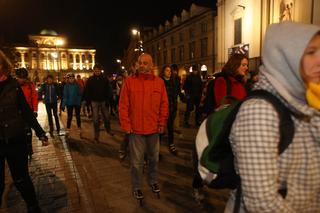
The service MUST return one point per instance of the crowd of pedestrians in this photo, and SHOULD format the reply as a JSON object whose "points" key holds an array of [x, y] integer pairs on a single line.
{"points": [[147, 108]]}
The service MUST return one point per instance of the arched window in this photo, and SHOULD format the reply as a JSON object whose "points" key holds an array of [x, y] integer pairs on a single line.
{"points": [[18, 54], [90, 58], [77, 58]]}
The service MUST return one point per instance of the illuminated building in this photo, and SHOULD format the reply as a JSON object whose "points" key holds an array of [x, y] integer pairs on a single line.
{"points": [[48, 53], [185, 40], [241, 24]]}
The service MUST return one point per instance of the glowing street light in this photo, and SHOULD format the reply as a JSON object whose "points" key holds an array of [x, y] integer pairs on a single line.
{"points": [[118, 61], [135, 32], [137, 37]]}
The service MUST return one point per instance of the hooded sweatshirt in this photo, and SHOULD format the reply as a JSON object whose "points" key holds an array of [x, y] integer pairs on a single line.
{"points": [[255, 133], [283, 48]]}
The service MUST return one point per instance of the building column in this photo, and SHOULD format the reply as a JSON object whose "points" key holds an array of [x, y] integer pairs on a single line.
{"points": [[47, 61], [221, 47], [59, 61], [81, 65], [74, 61], [93, 62], [23, 63]]}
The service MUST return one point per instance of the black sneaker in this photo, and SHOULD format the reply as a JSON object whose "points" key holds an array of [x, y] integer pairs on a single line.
{"points": [[186, 125], [155, 188], [110, 133], [173, 150], [138, 194], [34, 209]]}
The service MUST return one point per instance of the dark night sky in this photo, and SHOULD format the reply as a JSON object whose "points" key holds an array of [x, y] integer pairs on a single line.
{"points": [[87, 23]]}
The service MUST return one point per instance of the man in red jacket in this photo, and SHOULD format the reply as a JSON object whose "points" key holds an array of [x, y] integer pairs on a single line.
{"points": [[31, 96], [143, 112]]}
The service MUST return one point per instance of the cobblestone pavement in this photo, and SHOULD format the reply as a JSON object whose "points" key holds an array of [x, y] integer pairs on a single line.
{"points": [[74, 174]]}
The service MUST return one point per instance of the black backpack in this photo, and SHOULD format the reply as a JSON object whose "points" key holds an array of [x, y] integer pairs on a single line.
{"points": [[209, 102]]}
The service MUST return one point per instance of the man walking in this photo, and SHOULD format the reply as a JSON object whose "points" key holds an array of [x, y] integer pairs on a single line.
{"points": [[98, 92], [51, 94], [143, 112]]}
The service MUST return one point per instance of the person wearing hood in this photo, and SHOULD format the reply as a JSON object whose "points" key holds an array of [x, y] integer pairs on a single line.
{"points": [[291, 72], [143, 114]]}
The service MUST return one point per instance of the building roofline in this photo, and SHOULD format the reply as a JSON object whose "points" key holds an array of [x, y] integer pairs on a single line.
{"points": [[185, 22]]}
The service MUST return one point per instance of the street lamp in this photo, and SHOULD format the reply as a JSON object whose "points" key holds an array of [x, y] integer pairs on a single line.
{"points": [[135, 31], [120, 65], [139, 45]]}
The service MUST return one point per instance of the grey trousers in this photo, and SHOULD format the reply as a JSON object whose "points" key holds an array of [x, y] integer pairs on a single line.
{"points": [[96, 107], [139, 145]]}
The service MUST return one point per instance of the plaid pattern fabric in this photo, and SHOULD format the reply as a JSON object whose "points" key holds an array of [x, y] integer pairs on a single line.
{"points": [[255, 137]]}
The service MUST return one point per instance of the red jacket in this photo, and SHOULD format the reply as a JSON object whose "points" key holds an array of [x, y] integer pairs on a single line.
{"points": [[31, 95], [220, 90], [143, 104]]}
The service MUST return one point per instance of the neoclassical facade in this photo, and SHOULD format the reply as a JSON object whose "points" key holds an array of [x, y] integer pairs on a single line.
{"points": [[241, 24], [185, 40], [48, 53]]}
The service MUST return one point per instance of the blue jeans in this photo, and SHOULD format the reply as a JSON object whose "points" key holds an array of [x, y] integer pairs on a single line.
{"points": [[139, 145], [96, 106]]}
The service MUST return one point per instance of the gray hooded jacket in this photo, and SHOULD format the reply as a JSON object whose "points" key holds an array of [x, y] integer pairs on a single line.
{"points": [[255, 133]]}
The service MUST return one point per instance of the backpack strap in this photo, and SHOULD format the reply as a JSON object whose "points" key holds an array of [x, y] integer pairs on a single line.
{"points": [[286, 126]]}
